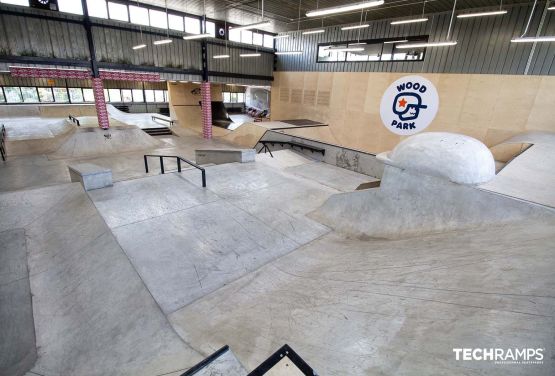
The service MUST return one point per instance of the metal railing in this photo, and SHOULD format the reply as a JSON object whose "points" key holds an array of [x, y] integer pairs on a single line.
{"points": [[3, 143], [178, 159], [74, 120], [168, 121]]}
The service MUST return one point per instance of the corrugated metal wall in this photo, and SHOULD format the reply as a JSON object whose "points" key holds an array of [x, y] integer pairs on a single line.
{"points": [[484, 46], [260, 66]]}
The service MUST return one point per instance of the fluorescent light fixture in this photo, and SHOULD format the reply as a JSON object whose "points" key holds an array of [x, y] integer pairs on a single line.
{"points": [[364, 26], [139, 46], [396, 41], [346, 49], [162, 41], [314, 31], [250, 55], [412, 20], [482, 14], [220, 57], [533, 39], [344, 8], [431, 44], [288, 52], [196, 83], [356, 44], [196, 36], [551, 7], [281, 36], [251, 26]]}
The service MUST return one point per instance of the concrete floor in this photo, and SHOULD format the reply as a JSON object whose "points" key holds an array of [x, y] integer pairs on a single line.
{"points": [[151, 275]]}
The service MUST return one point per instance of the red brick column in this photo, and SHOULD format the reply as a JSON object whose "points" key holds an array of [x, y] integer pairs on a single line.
{"points": [[100, 103], [206, 110]]}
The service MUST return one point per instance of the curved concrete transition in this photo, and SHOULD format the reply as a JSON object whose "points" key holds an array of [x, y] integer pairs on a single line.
{"points": [[92, 313], [419, 192], [456, 157]]}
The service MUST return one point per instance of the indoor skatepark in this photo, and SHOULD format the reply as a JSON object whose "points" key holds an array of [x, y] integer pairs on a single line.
{"points": [[354, 217]]}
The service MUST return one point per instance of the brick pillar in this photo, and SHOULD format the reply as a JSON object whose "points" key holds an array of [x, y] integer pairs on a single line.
{"points": [[100, 103], [206, 110]]}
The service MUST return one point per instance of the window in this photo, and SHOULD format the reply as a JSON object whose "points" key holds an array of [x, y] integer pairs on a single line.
{"points": [[88, 95], [126, 96], [158, 19], [241, 97], [227, 97], [29, 94], [158, 96], [138, 15], [372, 50], [45, 94], [115, 95], [234, 97], [16, 2], [13, 95], [268, 41], [175, 22], [257, 39], [234, 35], [76, 95], [97, 8], [138, 96], [166, 96], [2, 98], [118, 11], [192, 25], [246, 36], [149, 95], [210, 28], [60, 95], [106, 96], [70, 6]]}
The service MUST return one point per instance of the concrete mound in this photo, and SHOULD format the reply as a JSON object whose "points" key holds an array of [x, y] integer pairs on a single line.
{"points": [[27, 136], [92, 313], [420, 195]]}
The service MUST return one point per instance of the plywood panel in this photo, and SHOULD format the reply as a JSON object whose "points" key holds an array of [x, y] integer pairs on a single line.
{"points": [[490, 108]]}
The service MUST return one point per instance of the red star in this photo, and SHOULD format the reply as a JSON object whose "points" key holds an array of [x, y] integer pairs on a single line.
{"points": [[402, 102]]}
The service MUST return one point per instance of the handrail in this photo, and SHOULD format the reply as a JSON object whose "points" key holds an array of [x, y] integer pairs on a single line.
{"points": [[178, 159], [205, 362], [169, 121], [2, 143], [75, 120]]}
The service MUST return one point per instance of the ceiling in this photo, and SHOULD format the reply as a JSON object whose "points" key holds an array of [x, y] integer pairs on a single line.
{"points": [[284, 14]]}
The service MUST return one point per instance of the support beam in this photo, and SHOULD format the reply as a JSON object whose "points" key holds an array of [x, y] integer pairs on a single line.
{"points": [[100, 103]]}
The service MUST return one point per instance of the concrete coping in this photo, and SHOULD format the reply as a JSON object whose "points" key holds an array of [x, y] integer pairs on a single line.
{"points": [[88, 169]]}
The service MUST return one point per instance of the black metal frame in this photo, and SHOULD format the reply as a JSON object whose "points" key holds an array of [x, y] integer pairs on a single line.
{"points": [[373, 41], [275, 358], [205, 362], [178, 159], [2, 143]]}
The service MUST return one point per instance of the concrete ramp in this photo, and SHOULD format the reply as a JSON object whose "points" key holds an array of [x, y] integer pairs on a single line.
{"points": [[93, 141], [141, 120], [34, 135], [92, 313]]}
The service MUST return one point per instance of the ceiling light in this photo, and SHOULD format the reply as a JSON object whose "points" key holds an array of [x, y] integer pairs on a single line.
{"points": [[356, 44], [251, 26], [432, 44], [139, 46], [343, 8], [288, 52], [197, 36], [533, 39], [551, 7], [412, 20], [281, 36], [250, 55], [162, 41], [396, 41], [220, 57], [355, 27], [482, 14], [314, 31]]}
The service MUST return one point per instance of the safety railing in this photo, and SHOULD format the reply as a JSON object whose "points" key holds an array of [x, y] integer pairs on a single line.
{"points": [[179, 160], [3, 142], [158, 119], [73, 119]]}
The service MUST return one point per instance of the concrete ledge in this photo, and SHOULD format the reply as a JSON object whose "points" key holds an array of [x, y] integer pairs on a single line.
{"points": [[90, 175], [221, 156]]}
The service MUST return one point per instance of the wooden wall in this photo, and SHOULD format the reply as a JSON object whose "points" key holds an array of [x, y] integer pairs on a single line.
{"points": [[490, 108]]}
